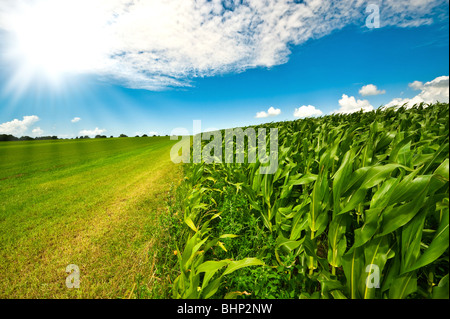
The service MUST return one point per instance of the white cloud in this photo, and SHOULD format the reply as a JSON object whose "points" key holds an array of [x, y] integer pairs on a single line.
{"points": [[94, 132], [153, 133], [433, 91], [75, 120], [158, 44], [37, 131], [270, 112], [273, 111], [416, 85], [17, 127], [371, 89], [349, 104], [307, 111], [262, 114]]}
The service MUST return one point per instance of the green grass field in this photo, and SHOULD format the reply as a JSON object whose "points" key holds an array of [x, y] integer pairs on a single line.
{"points": [[92, 203]]}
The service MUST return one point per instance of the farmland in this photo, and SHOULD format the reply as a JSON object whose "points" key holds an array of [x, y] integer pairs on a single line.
{"points": [[358, 208], [92, 203]]}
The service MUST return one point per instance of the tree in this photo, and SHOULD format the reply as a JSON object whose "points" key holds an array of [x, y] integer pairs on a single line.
{"points": [[123, 135], [8, 137], [41, 138]]}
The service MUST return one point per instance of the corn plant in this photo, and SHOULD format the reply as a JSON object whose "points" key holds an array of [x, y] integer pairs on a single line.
{"points": [[195, 279], [360, 203]]}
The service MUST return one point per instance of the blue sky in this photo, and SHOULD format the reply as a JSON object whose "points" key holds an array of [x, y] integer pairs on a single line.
{"points": [[316, 71]]}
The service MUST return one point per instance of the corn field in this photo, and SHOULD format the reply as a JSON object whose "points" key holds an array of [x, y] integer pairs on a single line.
{"points": [[358, 209]]}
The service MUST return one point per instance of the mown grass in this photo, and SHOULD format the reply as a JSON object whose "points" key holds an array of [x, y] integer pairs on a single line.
{"points": [[93, 203]]}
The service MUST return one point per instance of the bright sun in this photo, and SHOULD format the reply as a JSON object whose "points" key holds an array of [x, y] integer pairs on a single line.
{"points": [[54, 37]]}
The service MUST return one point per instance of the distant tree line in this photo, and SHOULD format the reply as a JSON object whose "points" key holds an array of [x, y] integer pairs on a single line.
{"points": [[9, 137]]}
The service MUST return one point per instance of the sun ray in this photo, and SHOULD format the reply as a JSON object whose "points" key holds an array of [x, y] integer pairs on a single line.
{"points": [[48, 43]]}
